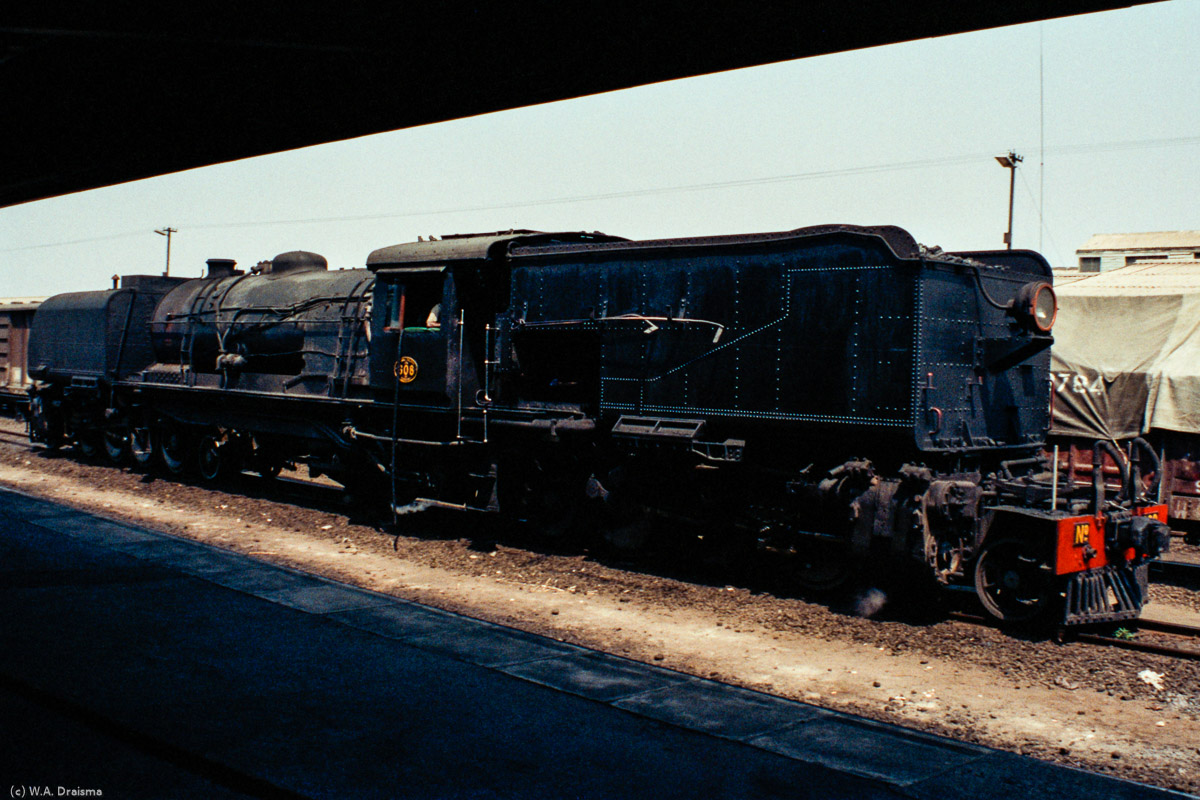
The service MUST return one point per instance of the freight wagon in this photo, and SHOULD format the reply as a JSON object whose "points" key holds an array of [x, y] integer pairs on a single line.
{"points": [[16, 313]]}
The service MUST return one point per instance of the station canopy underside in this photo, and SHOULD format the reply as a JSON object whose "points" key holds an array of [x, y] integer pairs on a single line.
{"points": [[103, 93]]}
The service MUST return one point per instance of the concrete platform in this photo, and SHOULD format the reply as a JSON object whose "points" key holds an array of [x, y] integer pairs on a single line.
{"points": [[144, 665]]}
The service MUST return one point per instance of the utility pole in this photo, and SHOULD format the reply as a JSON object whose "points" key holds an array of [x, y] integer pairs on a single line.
{"points": [[1010, 162], [168, 231]]}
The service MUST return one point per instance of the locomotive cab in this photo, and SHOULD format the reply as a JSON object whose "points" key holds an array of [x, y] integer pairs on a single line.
{"points": [[426, 358], [414, 309]]}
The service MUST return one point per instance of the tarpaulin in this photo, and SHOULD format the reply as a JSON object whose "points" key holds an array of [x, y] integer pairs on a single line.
{"points": [[1126, 355]]}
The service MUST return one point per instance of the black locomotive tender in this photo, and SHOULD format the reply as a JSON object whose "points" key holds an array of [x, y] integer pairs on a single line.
{"points": [[558, 377]]}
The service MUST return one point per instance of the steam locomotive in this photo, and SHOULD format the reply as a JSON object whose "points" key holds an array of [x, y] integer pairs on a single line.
{"points": [[836, 395]]}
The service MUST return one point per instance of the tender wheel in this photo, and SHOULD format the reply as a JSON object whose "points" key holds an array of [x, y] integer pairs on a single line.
{"points": [[625, 526], [141, 446], [550, 515], [174, 447], [628, 538], [822, 567], [1012, 585], [540, 495], [623, 521], [116, 444]]}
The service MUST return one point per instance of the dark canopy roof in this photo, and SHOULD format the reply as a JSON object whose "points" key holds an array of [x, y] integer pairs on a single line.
{"points": [[109, 92]]}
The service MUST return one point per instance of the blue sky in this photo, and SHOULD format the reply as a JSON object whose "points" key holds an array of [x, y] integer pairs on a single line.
{"points": [[902, 135]]}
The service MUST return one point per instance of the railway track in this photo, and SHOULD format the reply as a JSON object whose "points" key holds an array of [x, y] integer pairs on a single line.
{"points": [[312, 493], [1186, 647], [1187, 638], [1181, 572], [323, 496], [13, 438]]}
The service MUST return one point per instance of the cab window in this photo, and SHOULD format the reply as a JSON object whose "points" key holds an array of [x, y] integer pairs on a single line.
{"points": [[414, 304], [394, 318]]}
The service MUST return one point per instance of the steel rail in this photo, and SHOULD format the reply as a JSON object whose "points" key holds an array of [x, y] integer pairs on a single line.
{"points": [[1192, 654], [1173, 628], [1063, 634], [1185, 570], [17, 438]]}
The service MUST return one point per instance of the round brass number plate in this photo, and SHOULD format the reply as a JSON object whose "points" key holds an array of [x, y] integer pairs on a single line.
{"points": [[406, 369]]}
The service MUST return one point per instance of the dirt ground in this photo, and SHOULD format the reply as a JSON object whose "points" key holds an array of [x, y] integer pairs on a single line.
{"points": [[1118, 712]]}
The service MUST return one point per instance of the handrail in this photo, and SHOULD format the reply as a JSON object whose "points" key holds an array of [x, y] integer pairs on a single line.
{"points": [[1135, 492], [1098, 473]]}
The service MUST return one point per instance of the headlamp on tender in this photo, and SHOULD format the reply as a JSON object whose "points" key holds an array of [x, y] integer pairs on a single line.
{"points": [[1035, 306]]}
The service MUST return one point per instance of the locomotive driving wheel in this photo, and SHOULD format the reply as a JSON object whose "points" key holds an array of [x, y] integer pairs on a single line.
{"points": [[89, 444], [116, 444], [141, 446], [174, 447], [216, 455], [1013, 585]]}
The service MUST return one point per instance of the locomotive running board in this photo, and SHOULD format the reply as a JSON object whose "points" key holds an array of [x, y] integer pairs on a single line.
{"points": [[682, 434], [1105, 595], [658, 428]]}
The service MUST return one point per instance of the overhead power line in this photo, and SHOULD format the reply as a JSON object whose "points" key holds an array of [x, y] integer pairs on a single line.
{"points": [[89, 240], [716, 185], [927, 163]]}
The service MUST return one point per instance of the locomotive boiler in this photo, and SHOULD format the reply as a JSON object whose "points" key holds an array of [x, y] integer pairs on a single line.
{"points": [[837, 396]]}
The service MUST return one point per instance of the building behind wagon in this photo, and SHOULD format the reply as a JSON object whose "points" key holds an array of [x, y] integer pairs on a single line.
{"points": [[1108, 251]]}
